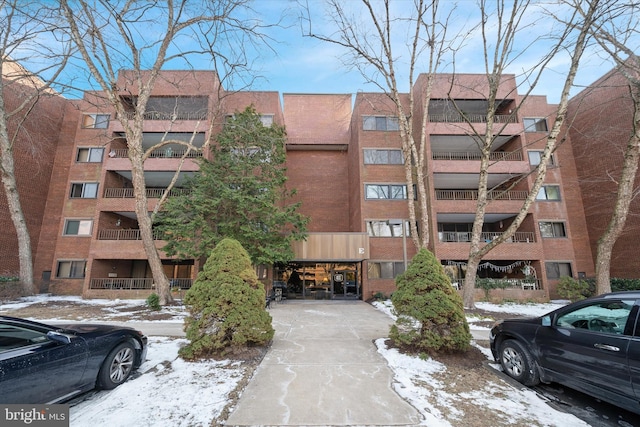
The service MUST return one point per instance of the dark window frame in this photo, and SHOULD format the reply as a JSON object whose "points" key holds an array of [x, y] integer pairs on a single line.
{"points": [[91, 158], [80, 189], [557, 229], [380, 123], [386, 270], [535, 124], [77, 269]]}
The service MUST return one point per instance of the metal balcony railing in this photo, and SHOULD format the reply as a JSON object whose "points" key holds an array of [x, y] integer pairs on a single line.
{"points": [[473, 195], [465, 237], [160, 153], [135, 283], [513, 156], [472, 118], [152, 193], [125, 234], [172, 116], [529, 284]]}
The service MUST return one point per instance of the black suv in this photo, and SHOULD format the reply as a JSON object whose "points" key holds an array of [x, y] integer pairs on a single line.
{"points": [[592, 346]]}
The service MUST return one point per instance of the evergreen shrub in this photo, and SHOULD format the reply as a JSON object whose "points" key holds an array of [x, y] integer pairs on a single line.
{"points": [[430, 312], [226, 306], [153, 302], [572, 289]]}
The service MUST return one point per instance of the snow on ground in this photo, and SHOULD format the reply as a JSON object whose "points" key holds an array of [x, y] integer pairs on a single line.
{"points": [[415, 380], [168, 391]]}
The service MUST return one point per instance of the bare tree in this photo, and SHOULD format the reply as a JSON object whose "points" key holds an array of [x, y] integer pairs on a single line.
{"points": [[373, 46], [616, 32], [505, 22], [374, 52], [26, 30], [144, 37]]}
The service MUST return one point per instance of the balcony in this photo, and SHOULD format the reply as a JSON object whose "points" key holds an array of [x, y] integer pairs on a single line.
{"points": [[514, 156], [125, 234], [171, 116], [166, 153], [526, 284], [152, 193], [470, 118], [465, 237], [140, 283], [467, 195]]}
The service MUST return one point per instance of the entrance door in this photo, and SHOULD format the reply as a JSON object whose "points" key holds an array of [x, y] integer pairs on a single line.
{"points": [[344, 284]]}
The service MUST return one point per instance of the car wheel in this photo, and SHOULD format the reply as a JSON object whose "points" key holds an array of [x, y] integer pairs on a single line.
{"points": [[117, 367], [518, 363]]}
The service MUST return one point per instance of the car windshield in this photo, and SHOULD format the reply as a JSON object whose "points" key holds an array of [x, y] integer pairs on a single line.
{"points": [[607, 316]]}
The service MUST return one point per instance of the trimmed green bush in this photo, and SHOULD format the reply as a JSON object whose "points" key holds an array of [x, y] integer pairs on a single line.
{"points": [[153, 302], [572, 289], [624, 284], [226, 306], [430, 312]]}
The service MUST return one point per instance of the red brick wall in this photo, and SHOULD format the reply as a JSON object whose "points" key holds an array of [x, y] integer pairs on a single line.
{"points": [[601, 122], [34, 153]]}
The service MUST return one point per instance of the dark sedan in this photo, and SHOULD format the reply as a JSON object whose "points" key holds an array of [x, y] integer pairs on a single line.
{"points": [[592, 346], [49, 364]]}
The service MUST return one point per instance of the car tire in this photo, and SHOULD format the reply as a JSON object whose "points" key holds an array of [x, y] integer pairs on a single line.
{"points": [[518, 363], [117, 366]]}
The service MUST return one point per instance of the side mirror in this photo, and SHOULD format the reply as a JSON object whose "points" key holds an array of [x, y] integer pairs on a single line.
{"points": [[58, 337], [546, 321]]}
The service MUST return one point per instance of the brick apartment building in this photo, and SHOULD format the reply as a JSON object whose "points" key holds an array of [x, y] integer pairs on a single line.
{"points": [[344, 158], [601, 117]]}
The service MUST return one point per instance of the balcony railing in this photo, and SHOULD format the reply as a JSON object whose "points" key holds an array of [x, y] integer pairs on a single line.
{"points": [[513, 156], [472, 118], [135, 283], [158, 115], [166, 153], [152, 193], [125, 234], [465, 237], [524, 284], [473, 195]]}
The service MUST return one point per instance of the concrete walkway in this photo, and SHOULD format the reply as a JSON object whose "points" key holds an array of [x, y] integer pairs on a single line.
{"points": [[323, 369]]}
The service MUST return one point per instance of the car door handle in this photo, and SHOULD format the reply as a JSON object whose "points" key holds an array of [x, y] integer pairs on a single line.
{"points": [[606, 347]]}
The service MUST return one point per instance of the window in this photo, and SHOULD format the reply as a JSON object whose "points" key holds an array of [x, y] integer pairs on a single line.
{"points": [[380, 123], [536, 156], [266, 119], [90, 155], [78, 227], [71, 269], [609, 317], [549, 192], [556, 270], [387, 228], [12, 336], [552, 229], [383, 157], [384, 269], [84, 190], [535, 125], [95, 121], [385, 191]]}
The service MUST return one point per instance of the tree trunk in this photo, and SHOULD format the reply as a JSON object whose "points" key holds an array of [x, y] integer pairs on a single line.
{"points": [[469, 288], [623, 201], [7, 169], [144, 223]]}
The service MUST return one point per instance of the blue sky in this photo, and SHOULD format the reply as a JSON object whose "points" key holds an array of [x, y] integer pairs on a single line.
{"points": [[306, 65], [297, 64]]}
